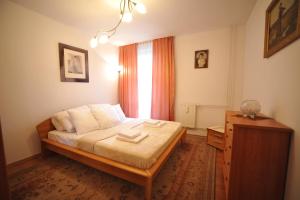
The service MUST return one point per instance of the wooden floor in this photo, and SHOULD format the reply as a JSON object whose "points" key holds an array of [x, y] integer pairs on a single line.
{"points": [[219, 181], [24, 164], [219, 184]]}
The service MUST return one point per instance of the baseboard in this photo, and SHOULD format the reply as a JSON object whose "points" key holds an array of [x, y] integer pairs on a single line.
{"points": [[198, 131], [18, 165]]}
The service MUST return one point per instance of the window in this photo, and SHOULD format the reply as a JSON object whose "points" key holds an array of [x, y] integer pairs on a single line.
{"points": [[145, 79]]}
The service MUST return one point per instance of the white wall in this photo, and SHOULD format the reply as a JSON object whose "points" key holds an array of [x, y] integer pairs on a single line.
{"points": [[275, 83], [212, 88], [235, 96], [30, 84]]}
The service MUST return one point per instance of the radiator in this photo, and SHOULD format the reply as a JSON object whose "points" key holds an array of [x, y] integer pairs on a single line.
{"points": [[210, 115], [200, 116], [188, 115]]}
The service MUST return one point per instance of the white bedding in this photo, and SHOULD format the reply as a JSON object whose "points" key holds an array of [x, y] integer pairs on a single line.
{"points": [[64, 137], [71, 139], [104, 142]]}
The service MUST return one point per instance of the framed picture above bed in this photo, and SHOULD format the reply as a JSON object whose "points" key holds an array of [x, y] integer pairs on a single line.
{"points": [[282, 25], [74, 65]]}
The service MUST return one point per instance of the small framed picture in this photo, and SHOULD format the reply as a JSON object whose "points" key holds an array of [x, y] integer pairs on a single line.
{"points": [[201, 59], [74, 65], [282, 25]]}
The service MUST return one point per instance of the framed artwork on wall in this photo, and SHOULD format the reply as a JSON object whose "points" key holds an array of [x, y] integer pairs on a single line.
{"points": [[282, 25], [74, 65], [201, 59]]}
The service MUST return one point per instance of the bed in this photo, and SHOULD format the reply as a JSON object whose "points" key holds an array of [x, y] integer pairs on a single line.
{"points": [[127, 161]]}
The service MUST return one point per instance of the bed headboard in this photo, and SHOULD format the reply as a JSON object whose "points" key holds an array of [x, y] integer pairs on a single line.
{"points": [[44, 127]]}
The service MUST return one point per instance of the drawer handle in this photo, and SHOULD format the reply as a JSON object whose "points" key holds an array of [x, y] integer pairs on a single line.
{"points": [[229, 146], [230, 129]]}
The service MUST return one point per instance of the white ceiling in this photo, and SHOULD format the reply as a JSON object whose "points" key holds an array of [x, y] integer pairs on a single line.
{"points": [[164, 17]]}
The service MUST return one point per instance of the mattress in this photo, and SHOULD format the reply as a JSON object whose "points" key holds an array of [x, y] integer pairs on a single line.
{"points": [[64, 137], [104, 143]]}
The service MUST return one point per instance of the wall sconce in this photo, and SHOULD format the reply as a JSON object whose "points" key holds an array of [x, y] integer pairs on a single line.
{"points": [[119, 68], [113, 71]]}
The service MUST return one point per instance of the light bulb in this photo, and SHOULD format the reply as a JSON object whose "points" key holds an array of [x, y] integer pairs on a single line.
{"points": [[141, 8], [127, 17], [103, 39], [94, 42]]}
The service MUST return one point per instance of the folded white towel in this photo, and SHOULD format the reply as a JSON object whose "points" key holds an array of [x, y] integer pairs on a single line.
{"points": [[160, 124], [152, 122], [135, 140], [129, 133]]}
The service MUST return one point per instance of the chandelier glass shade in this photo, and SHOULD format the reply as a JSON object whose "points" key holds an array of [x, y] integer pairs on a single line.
{"points": [[126, 14]]}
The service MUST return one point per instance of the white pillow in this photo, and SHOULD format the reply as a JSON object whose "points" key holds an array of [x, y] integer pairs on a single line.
{"points": [[83, 119], [56, 124], [105, 115], [120, 112], [62, 122]]}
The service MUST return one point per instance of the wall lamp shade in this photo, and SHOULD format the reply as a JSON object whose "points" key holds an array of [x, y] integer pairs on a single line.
{"points": [[119, 68], [115, 69]]}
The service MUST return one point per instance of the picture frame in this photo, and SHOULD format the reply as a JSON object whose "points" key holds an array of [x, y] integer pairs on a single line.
{"points": [[201, 59], [282, 25], [74, 65]]}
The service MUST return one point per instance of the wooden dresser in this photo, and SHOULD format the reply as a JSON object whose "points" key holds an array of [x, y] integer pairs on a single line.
{"points": [[255, 158]]}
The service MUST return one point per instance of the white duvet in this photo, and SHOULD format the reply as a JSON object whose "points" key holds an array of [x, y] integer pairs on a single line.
{"points": [[142, 155]]}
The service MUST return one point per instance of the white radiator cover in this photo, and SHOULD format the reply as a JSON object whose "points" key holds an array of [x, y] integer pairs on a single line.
{"points": [[188, 115], [201, 116], [210, 115]]}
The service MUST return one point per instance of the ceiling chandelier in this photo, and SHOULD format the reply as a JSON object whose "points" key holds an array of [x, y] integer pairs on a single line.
{"points": [[126, 10]]}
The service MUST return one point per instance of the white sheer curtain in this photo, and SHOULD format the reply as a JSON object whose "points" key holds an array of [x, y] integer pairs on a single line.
{"points": [[145, 79]]}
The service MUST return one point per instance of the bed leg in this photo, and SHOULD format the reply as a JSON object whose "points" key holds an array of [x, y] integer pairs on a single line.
{"points": [[182, 140], [148, 189]]}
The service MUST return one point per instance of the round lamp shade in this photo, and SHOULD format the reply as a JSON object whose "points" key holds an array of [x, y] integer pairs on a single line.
{"points": [[250, 108]]}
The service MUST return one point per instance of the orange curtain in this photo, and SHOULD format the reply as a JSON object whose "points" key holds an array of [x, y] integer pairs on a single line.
{"points": [[163, 80], [128, 80]]}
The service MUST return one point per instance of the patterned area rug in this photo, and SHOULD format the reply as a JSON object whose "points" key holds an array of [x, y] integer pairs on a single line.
{"points": [[189, 173]]}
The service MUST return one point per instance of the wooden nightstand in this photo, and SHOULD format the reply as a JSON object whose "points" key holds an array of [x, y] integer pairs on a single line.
{"points": [[215, 137]]}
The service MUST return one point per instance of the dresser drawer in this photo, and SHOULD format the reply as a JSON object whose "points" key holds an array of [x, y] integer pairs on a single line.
{"points": [[226, 180], [228, 137], [227, 159], [229, 129], [227, 153], [215, 139]]}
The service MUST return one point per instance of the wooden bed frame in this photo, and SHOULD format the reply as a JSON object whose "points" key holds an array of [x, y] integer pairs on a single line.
{"points": [[143, 177]]}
